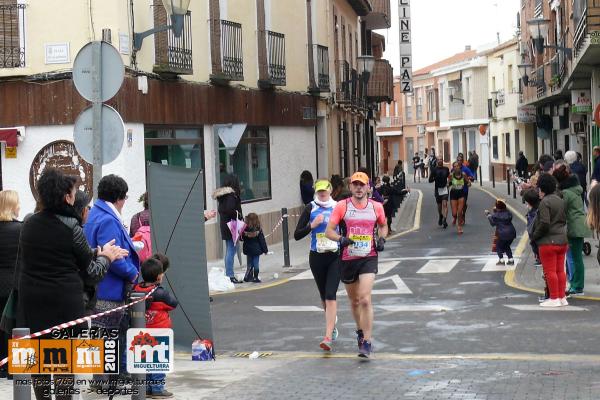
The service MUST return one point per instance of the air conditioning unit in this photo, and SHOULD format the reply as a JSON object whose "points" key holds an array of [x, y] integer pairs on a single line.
{"points": [[421, 129]]}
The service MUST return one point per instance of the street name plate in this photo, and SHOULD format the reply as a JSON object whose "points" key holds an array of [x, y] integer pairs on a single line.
{"points": [[112, 72], [113, 133]]}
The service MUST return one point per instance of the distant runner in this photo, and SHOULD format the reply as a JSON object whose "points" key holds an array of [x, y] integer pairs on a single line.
{"points": [[439, 175], [361, 221]]}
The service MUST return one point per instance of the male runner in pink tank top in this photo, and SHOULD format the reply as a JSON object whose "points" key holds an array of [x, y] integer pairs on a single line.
{"points": [[359, 219]]}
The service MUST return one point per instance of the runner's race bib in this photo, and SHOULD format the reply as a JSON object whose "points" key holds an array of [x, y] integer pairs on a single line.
{"points": [[442, 191], [361, 247], [324, 244]]}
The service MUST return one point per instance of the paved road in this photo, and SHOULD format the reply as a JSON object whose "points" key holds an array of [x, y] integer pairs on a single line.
{"points": [[435, 295]]}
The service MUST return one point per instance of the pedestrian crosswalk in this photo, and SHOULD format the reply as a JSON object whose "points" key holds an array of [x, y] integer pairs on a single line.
{"points": [[438, 266]]}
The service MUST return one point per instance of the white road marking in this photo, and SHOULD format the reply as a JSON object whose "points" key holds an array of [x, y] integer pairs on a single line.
{"points": [[490, 266], [401, 287], [534, 307], [302, 275], [438, 266], [288, 308], [385, 266], [414, 308], [479, 257]]}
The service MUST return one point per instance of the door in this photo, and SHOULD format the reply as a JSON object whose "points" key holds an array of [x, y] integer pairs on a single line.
{"points": [[410, 153], [385, 155]]}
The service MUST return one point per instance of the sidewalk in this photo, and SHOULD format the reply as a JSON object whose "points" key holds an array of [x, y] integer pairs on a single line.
{"points": [[526, 276], [272, 271]]}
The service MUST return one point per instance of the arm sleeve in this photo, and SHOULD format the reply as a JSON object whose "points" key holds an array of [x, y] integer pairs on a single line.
{"points": [[167, 299], [263, 242], [492, 220], [134, 225], [123, 268], [542, 222], [303, 225], [83, 253]]}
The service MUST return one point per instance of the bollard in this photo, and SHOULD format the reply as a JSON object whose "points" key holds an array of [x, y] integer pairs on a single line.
{"points": [[138, 320], [508, 181], [286, 238], [493, 178], [21, 391], [480, 178], [514, 190]]}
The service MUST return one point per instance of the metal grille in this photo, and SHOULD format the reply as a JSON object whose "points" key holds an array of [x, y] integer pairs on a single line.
{"points": [[323, 67], [174, 55], [231, 50], [354, 90], [342, 92], [538, 11], [12, 41], [540, 82], [276, 57]]}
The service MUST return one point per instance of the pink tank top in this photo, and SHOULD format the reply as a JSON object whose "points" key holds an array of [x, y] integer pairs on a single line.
{"points": [[360, 227]]}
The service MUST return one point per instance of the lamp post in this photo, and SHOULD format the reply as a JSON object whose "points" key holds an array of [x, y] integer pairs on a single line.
{"points": [[538, 28], [524, 70], [176, 10], [365, 65]]}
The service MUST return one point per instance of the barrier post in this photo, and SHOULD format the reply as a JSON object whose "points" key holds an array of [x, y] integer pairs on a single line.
{"points": [[508, 180], [514, 190], [286, 238], [479, 177], [138, 320], [493, 177], [21, 382]]}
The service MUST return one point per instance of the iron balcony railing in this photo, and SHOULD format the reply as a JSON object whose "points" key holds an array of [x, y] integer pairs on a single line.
{"points": [[322, 66], [540, 83], [174, 54], [276, 58], [581, 27], [232, 60], [12, 35], [538, 10], [343, 89], [389, 122], [355, 91]]}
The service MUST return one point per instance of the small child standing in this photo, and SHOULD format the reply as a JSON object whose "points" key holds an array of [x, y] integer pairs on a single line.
{"points": [[158, 307], [501, 218], [254, 245]]}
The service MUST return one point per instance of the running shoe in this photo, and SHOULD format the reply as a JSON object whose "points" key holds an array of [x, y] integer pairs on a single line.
{"points": [[360, 337], [365, 350], [572, 292], [551, 303], [326, 344], [335, 333], [564, 302], [510, 262], [445, 223], [542, 299], [500, 262]]}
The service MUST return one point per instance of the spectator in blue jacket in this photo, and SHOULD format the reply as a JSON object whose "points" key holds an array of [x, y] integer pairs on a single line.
{"points": [[103, 225]]}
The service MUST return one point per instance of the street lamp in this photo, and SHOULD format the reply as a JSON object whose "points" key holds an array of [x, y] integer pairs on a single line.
{"points": [[538, 28], [176, 9], [365, 65], [451, 90], [524, 70]]}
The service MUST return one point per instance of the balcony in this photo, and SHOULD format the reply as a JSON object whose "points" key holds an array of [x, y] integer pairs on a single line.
{"points": [[540, 83], [456, 110], [380, 87], [360, 7], [273, 71], [12, 37], [226, 51], [172, 55], [321, 68], [586, 16], [390, 122], [342, 89], [380, 16]]}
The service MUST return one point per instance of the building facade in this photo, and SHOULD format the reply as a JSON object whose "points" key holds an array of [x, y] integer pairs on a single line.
{"points": [[249, 88]]}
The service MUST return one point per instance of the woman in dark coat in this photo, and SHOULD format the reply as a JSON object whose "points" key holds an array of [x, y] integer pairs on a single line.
{"points": [[230, 208], [307, 191], [54, 256], [10, 230]]}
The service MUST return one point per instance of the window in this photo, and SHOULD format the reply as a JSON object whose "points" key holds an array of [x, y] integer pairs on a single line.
{"points": [[251, 163], [517, 142], [468, 90], [510, 88], [395, 108], [396, 151], [495, 147], [442, 98], [387, 109], [507, 144]]}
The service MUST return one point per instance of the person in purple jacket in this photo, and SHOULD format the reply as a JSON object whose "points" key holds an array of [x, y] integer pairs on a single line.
{"points": [[501, 219]]}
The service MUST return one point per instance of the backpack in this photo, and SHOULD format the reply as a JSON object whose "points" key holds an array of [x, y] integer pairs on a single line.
{"points": [[143, 235]]}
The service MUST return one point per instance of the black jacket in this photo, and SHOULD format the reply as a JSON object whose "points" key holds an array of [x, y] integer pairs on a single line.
{"points": [[9, 240], [229, 208], [502, 220], [580, 170], [54, 257], [254, 242], [522, 166]]}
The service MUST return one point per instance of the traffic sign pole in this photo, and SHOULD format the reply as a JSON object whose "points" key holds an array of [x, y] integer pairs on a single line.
{"points": [[97, 111]]}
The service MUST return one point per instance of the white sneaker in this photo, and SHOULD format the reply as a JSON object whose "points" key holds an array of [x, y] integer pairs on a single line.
{"points": [[564, 302], [551, 303]]}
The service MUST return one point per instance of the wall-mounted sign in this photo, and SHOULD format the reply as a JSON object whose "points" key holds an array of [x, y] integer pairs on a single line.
{"points": [[581, 101], [123, 43], [526, 114], [62, 155], [10, 152], [57, 53], [405, 47]]}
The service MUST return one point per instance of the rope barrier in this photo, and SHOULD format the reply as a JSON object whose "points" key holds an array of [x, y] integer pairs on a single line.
{"points": [[278, 224], [79, 321]]}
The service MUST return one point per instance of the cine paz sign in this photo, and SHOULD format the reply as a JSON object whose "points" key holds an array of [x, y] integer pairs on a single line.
{"points": [[405, 47]]}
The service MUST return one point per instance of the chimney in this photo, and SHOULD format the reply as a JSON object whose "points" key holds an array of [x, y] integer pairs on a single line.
{"points": [[468, 47]]}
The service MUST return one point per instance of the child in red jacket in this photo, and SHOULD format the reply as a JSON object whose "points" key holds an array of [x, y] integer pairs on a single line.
{"points": [[158, 307]]}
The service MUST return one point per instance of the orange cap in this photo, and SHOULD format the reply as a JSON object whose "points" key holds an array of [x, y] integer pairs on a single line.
{"points": [[360, 177]]}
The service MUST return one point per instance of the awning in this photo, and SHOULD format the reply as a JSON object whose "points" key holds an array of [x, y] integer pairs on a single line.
{"points": [[9, 136]]}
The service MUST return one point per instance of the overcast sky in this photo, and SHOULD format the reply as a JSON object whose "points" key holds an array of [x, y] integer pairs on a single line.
{"points": [[442, 28]]}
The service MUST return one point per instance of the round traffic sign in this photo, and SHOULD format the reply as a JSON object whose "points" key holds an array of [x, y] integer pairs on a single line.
{"points": [[112, 71], [113, 133]]}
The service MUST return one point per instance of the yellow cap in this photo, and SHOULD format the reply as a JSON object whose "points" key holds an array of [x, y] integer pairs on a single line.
{"points": [[360, 177], [322, 184]]}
